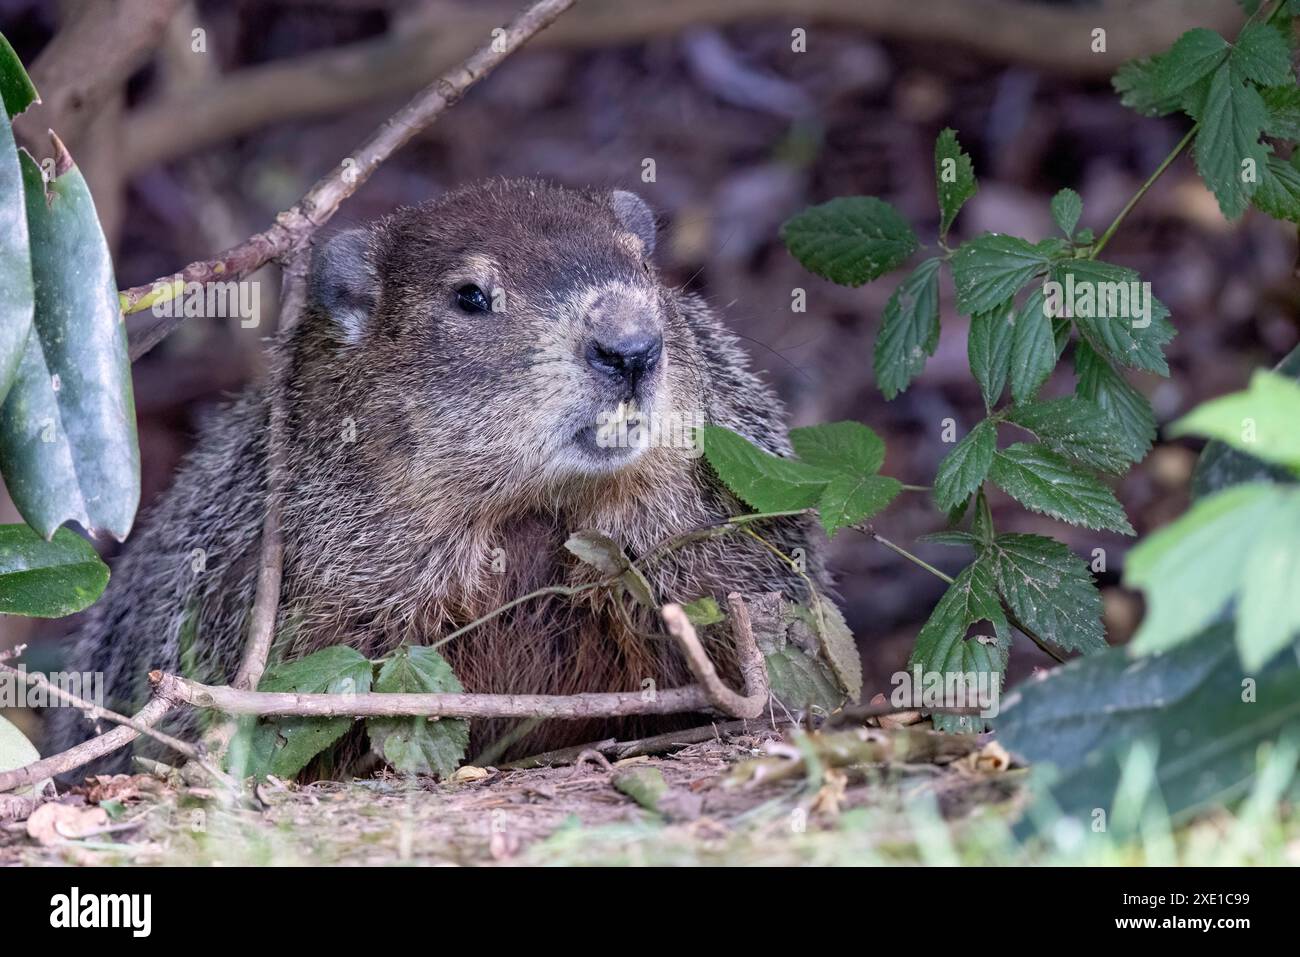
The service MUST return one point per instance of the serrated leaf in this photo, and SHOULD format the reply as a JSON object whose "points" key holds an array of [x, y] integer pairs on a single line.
{"points": [[850, 240], [284, 746], [1263, 421], [763, 481], [47, 579], [1232, 543], [1128, 411], [835, 641], [989, 269], [1067, 207], [1114, 311], [800, 681], [1043, 481], [988, 348], [704, 611], [1232, 119], [1033, 348], [1283, 106], [1137, 83], [16, 89], [1279, 189], [1077, 428], [953, 538], [1050, 590], [607, 556], [964, 468], [417, 745], [954, 178], [839, 446], [67, 427], [943, 648], [17, 295], [910, 329], [1195, 55], [850, 499], [1261, 55]]}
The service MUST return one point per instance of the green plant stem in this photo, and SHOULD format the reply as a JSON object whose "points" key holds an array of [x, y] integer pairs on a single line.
{"points": [[1100, 244], [899, 550]]}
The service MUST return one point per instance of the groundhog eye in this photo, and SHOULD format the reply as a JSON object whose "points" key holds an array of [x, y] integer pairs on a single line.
{"points": [[472, 299]]}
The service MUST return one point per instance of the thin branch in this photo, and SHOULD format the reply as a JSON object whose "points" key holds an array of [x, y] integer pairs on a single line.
{"points": [[749, 705], [86, 752], [294, 227]]}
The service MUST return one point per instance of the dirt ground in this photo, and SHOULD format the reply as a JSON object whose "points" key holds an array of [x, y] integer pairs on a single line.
{"points": [[740, 799]]}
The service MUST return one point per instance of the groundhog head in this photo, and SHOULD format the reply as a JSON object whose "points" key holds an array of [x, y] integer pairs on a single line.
{"points": [[514, 330]]}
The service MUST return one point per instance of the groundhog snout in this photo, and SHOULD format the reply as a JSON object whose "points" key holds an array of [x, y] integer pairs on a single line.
{"points": [[626, 359]]}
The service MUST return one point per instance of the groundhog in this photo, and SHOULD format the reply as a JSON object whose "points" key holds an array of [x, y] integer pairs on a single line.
{"points": [[450, 393]]}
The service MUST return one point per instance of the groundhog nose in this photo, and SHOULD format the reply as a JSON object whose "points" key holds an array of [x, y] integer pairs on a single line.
{"points": [[628, 358]]}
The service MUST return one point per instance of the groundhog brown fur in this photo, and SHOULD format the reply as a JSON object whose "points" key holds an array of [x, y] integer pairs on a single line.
{"points": [[444, 389]]}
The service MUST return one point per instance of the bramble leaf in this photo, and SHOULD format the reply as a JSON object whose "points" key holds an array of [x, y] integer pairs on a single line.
{"points": [[1043, 481], [417, 745], [988, 348], [989, 269], [964, 468], [1050, 590], [1067, 207], [1129, 413], [954, 178], [849, 240], [910, 329], [1263, 421], [1077, 428]]}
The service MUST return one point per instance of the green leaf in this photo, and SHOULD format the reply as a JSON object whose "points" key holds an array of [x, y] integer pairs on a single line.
{"points": [[800, 681], [988, 347], [1220, 465], [850, 240], [606, 556], [67, 428], [1232, 119], [1114, 310], [1195, 55], [850, 499], [284, 746], [416, 745], [838, 646], [47, 579], [954, 178], [1067, 207], [1129, 413], [1137, 83], [1043, 481], [1083, 718], [1263, 421], [704, 611], [848, 447], [1077, 428], [955, 539], [1279, 189], [765, 482], [910, 329], [16, 89], [17, 296], [15, 750], [989, 269], [1050, 590], [1283, 106], [1193, 567], [964, 468], [1261, 55], [1033, 348], [943, 648]]}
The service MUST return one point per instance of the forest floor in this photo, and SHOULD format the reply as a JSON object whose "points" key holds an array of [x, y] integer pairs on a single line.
{"points": [[745, 799]]}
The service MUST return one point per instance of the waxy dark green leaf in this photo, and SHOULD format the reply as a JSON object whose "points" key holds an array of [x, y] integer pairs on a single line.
{"points": [[67, 427], [47, 579]]}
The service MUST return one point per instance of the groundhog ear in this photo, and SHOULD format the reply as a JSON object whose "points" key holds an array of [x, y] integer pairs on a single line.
{"points": [[636, 217], [343, 281]]}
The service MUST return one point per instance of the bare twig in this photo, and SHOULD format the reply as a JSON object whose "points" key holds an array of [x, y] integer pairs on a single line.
{"points": [[445, 705], [294, 227], [82, 754], [749, 705]]}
